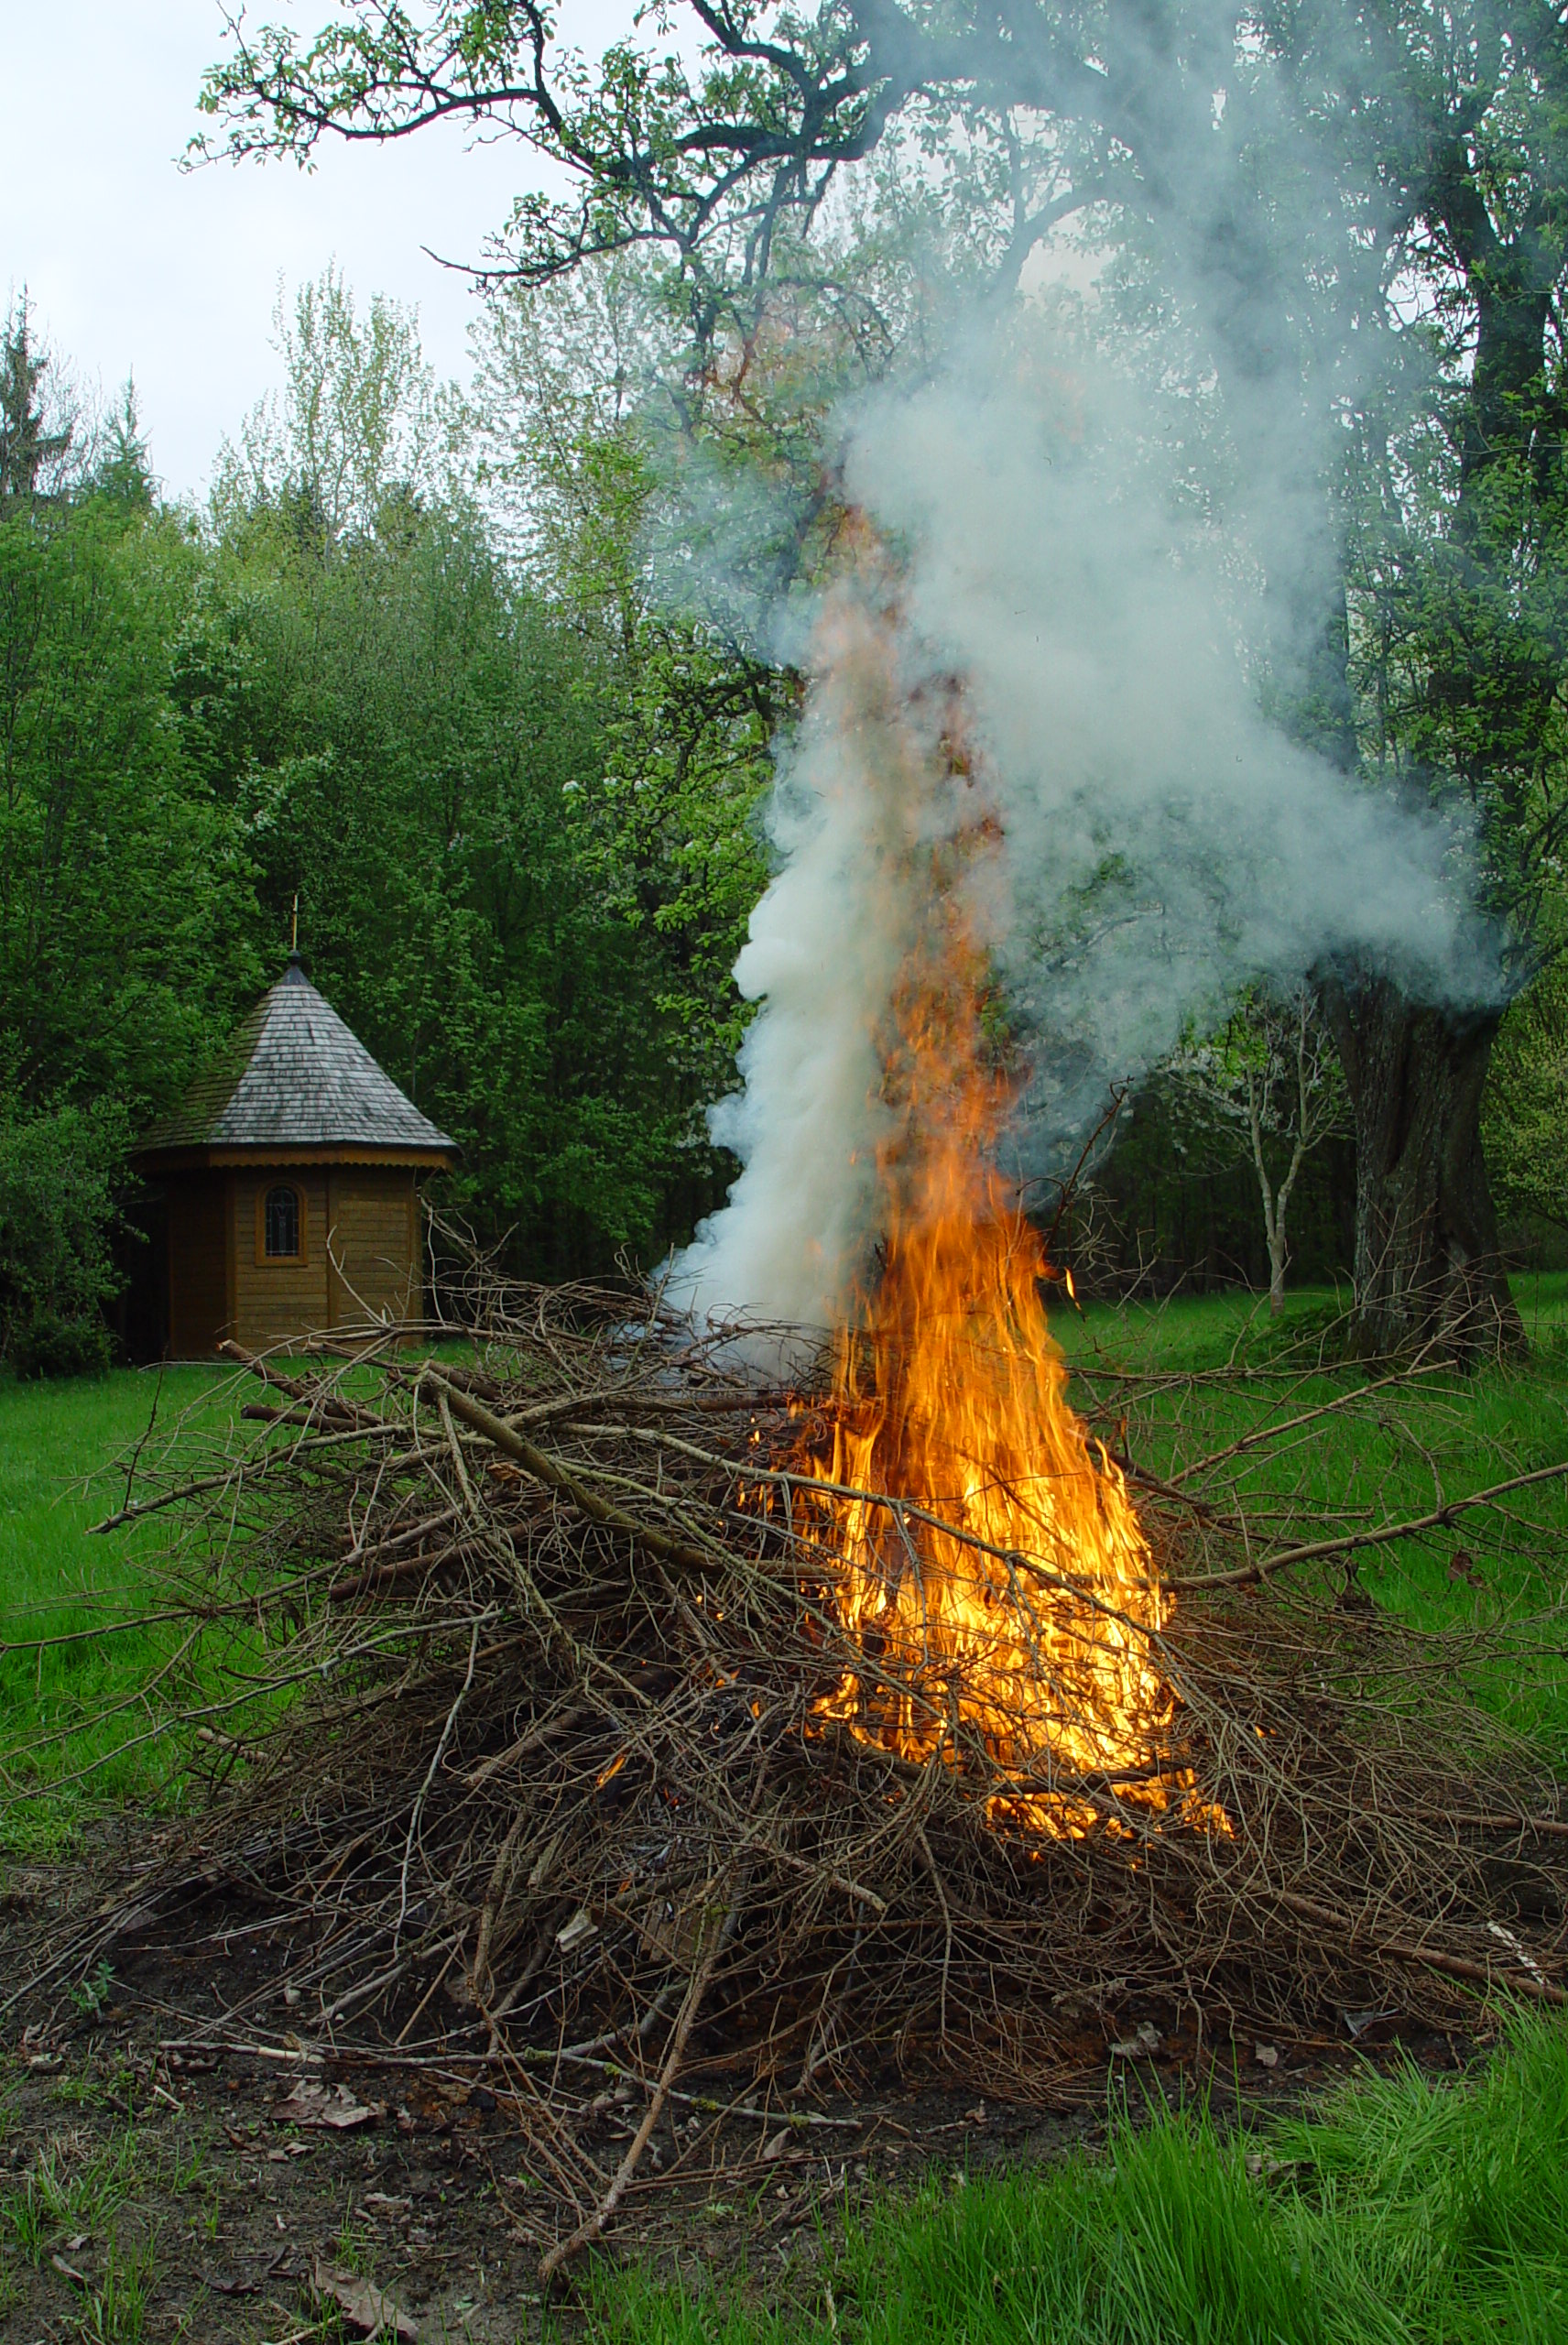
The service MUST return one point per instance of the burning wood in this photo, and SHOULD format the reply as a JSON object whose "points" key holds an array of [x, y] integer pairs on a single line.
{"points": [[999, 1578], [996, 1588]]}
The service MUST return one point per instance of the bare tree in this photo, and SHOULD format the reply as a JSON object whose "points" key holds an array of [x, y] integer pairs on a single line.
{"points": [[1270, 1085]]}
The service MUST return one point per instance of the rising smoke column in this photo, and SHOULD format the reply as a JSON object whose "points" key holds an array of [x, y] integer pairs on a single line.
{"points": [[863, 795], [1161, 841]]}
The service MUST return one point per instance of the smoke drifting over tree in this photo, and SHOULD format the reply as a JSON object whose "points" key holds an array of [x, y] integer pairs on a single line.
{"points": [[1162, 841]]}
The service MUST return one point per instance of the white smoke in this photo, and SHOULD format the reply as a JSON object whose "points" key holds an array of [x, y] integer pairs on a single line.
{"points": [[826, 946], [1164, 843]]}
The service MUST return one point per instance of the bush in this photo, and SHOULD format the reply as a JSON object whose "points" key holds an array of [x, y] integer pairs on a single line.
{"points": [[48, 1346], [61, 1171], [1525, 1114]]}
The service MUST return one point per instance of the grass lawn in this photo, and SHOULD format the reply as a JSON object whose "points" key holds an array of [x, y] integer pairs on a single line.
{"points": [[57, 1582], [1391, 1456]]}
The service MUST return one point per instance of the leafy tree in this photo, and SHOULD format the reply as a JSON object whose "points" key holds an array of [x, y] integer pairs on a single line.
{"points": [[1311, 183], [61, 1172], [121, 472], [1526, 1117], [361, 418], [1268, 1086], [125, 893]]}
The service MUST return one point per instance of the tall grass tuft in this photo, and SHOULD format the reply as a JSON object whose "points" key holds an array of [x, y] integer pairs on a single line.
{"points": [[1404, 2210]]}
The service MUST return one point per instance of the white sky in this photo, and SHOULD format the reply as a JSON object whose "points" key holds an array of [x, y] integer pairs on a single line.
{"points": [[133, 266]]}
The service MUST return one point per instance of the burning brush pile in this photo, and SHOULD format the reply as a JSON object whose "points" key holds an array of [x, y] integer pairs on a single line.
{"points": [[608, 1711]]}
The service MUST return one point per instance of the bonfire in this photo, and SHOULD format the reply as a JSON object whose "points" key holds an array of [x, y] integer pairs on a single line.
{"points": [[987, 1557]]}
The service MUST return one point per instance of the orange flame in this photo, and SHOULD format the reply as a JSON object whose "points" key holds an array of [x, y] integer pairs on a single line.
{"points": [[1026, 1643]]}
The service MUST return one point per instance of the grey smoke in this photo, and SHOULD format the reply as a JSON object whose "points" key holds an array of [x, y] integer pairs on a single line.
{"points": [[1164, 842]]}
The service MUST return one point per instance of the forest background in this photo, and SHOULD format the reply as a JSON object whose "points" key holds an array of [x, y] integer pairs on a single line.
{"points": [[515, 803], [442, 668]]}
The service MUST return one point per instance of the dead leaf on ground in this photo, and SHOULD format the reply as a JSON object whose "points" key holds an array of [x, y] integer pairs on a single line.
{"points": [[365, 2309], [225, 2284], [1138, 2046], [69, 2270], [330, 2105]]}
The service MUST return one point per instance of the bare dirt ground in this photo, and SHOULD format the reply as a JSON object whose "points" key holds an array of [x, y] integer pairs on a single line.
{"points": [[150, 2188]]}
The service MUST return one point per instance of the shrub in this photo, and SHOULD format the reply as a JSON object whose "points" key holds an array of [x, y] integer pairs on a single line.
{"points": [[61, 1171], [48, 1346]]}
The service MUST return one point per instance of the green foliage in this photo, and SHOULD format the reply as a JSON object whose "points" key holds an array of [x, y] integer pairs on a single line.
{"points": [[121, 472], [1525, 1118], [517, 812], [360, 423], [89, 1995], [60, 1172], [125, 907], [1176, 1202], [32, 444]]}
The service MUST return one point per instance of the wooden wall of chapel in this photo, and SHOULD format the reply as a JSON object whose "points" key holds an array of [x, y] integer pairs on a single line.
{"points": [[360, 1255]]}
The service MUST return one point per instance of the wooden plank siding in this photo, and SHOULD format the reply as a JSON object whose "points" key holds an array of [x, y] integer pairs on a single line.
{"points": [[276, 1301], [360, 1255], [201, 1305], [373, 1216]]}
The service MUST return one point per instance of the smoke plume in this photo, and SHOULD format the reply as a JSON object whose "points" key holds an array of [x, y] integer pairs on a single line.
{"points": [[1162, 841]]}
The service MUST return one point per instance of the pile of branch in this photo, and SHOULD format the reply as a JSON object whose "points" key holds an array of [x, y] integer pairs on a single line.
{"points": [[520, 1735]]}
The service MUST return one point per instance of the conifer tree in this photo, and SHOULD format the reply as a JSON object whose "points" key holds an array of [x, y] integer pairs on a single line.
{"points": [[30, 450]]}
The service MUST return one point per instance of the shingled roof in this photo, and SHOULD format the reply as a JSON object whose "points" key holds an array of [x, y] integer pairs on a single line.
{"points": [[295, 1076]]}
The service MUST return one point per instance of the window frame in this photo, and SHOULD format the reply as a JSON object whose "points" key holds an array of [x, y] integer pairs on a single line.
{"points": [[264, 1261]]}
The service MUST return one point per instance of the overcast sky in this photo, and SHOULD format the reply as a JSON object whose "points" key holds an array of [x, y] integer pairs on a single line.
{"points": [[134, 265]]}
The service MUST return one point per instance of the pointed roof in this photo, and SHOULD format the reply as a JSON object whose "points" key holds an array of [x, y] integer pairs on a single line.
{"points": [[295, 1076]]}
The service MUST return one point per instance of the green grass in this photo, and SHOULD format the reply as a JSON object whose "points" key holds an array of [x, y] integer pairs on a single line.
{"points": [[74, 1727], [63, 2196], [1198, 1331], [56, 1582], [1384, 1461], [1403, 2212]]}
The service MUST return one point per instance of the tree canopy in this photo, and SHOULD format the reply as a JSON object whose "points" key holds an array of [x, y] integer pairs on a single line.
{"points": [[1349, 217], [492, 683], [517, 821]]}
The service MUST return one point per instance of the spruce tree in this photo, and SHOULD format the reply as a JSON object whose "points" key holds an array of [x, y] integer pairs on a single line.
{"points": [[27, 447]]}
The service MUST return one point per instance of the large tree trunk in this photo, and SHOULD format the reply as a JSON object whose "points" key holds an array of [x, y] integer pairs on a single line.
{"points": [[1428, 1274]]}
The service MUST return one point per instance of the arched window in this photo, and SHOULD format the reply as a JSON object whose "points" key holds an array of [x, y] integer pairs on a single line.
{"points": [[282, 1223]]}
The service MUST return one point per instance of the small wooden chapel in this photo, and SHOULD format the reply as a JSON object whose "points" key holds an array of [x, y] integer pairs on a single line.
{"points": [[290, 1176]]}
